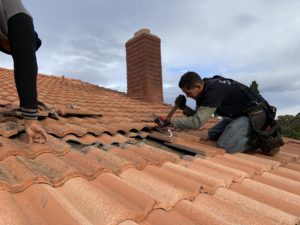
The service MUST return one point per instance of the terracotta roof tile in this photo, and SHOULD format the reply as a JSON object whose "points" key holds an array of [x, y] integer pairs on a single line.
{"points": [[230, 213], [104, 139], [254, 211], [109, 160], [154, 156], [258, 167], [128, 222], [280, 194], [256, 159], [50, 169], [38, 206], [9, 129], [14, 175], [61, 129], [94, 128], [102, 201], [235, 165], [184, 213], [54, 145], [87, 139], [293, 166], [11, 213], [209, 184], [280, 182], [133, 183], [278, 158], [237, 175], [166, 187], [139, 162], [269, 195], [223, 176], [288, 173], [89, 167]]}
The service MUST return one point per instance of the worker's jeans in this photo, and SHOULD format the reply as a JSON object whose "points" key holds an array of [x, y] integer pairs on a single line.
{"points": [[232, 134]]}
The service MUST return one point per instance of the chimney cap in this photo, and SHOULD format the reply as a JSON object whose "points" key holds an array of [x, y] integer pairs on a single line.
{"points": [[142, 31]]}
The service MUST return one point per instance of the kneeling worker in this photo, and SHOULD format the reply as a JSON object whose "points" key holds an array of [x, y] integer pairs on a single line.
{"points": [[226, 98]]}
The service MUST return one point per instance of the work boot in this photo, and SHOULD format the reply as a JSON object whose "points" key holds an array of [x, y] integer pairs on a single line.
{"points": [[273, 151]]}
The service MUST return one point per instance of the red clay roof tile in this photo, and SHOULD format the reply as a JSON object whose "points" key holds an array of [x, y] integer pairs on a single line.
{"points": [[154, 156], [14, 175], [293, 166], [267, 198], [89, 167], [237, 174], [223, 176], [230, 213], [276, 192], [9, 129], [90, 194], [54, 145], [87, 139], [258, 167], [50, 169], [139, 162], [278, 158], [40, 207], [109, 160], [209, 184], [61, 129], [103, 201], [223, 161], [288, 173], [166, 187], [255, 211], [280, 182]]}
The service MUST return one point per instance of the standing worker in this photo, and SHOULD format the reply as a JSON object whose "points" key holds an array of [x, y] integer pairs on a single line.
{"points": [[19, 39]]}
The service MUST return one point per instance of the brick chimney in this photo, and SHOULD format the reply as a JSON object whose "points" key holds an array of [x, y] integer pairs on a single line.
{"points": [[144, 71]]}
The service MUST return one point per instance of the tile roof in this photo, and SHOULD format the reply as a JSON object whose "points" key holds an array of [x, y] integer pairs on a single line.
{"points": [[98, 168]]}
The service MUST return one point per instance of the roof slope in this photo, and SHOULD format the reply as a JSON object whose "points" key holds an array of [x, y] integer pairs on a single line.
{"points": [[109, 177]]}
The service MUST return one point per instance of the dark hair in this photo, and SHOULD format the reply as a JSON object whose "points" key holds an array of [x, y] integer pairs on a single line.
{"points": [[189, 80]]}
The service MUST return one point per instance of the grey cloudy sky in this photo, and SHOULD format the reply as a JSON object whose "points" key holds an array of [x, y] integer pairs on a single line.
{"points": [[242, 39]]}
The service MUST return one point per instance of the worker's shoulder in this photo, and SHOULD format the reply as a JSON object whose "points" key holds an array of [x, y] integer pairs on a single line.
{"points": [[13, 7]]}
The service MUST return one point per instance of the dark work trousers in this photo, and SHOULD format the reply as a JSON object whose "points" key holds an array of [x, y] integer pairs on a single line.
{"points": [[24, 44]]}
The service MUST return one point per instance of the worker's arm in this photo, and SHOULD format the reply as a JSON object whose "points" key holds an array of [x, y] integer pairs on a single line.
{"points": [[196, 121], [188, 111], [23, 47], [24, 44]]}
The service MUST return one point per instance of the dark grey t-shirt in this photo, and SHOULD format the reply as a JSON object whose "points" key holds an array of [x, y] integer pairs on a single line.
{"points": [[9, 8]]}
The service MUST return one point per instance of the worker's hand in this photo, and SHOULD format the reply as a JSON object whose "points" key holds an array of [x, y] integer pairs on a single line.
{"points": [[35, 132], [181, 102], [162, 121]]}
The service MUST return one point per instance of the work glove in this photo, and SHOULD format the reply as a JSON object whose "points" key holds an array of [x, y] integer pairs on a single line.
{"points": [[181, 102], [162, 121]]}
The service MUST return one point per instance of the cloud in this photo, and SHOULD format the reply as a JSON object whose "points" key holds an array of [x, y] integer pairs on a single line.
{"points": [[244, 40]]}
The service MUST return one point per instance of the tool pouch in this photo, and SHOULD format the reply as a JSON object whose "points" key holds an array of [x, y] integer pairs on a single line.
{"points": [[266, 133]]}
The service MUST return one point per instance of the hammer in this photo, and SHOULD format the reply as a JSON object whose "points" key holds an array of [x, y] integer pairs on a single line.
{"points": [[173, 110]]}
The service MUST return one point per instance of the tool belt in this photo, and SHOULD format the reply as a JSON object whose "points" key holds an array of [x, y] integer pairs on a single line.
{"points": [[266, 133]]}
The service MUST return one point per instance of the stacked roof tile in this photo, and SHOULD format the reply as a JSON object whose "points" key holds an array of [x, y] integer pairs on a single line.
{"points": [[97, 168]]}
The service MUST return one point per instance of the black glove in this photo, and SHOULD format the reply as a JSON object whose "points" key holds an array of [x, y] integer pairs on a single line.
{"points": [[162, 121], [180, 102]]}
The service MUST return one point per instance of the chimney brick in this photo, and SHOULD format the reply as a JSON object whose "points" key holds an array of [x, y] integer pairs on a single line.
{"points": [[144, 70]]}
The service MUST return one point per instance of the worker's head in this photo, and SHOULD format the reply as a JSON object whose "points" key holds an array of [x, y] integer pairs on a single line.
{"points": [[191, 84]]}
